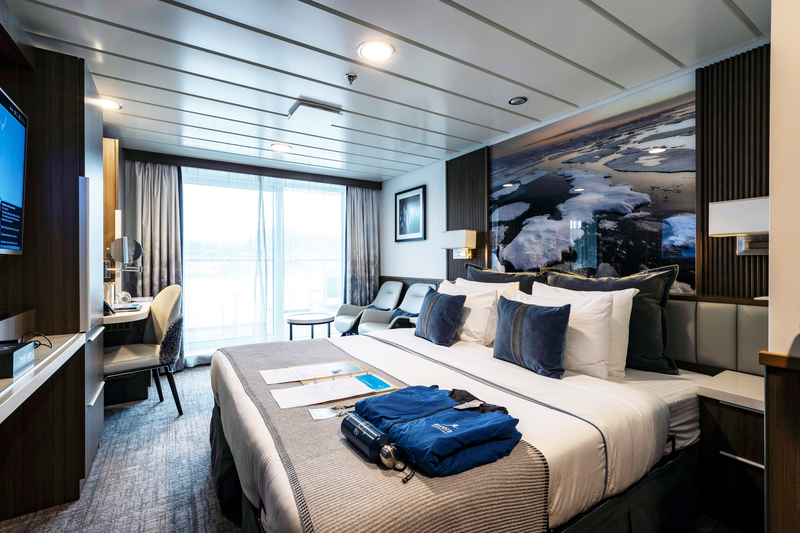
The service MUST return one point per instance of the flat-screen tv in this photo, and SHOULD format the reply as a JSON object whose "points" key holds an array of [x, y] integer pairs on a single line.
{"points": [[13, 145]]}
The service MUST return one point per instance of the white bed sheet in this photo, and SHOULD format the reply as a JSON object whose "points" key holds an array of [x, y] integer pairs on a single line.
{"points": [[634, 422], [680, 394]]}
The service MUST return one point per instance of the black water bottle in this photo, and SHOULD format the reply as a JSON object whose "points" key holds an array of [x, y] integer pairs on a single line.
{"points": [[364, 436]]}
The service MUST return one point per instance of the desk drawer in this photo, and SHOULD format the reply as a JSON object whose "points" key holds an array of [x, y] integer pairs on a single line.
{"points": [[736, 431]]}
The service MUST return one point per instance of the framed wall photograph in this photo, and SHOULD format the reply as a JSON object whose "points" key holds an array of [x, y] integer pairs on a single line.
{"points": [[409, 215]]}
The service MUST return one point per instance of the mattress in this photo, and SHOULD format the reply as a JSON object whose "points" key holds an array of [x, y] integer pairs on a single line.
{"points": [[680, 394], [613, 436]]}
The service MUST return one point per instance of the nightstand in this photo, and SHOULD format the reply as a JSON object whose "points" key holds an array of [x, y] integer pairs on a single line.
{"points": [[732, 449]]}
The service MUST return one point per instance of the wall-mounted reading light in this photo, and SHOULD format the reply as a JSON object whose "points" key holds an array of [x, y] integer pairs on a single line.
{"points": [[747, 220], [461, 241], [111, 105]]}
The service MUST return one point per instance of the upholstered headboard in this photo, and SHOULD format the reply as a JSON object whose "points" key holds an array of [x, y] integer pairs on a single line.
{"points": [[716, 336]]}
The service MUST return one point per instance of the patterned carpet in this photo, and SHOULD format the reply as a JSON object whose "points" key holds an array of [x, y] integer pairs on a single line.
{"points": [[152, 472]]}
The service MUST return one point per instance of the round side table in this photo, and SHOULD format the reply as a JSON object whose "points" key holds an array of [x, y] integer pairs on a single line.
{"points": [[309, 319]]}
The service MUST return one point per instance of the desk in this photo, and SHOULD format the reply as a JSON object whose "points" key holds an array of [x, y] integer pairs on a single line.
{"points": [[42, 430], [127, 327], [128, 316]]}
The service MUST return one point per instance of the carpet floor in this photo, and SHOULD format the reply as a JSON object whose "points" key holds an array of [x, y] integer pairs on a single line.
{"points": [[153, 471]]}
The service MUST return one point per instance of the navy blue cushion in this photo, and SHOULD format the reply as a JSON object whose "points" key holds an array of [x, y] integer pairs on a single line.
{"points": [[439, 316], [487, 275], [532, 336]]}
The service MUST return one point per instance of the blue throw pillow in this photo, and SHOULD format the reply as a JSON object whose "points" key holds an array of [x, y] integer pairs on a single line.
{"points": [[532, 336], [439, 316]]}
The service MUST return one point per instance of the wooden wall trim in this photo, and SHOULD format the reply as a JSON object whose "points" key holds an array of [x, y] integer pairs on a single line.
{"points": [[196, 162], [732, 164], [16, 47], [779, 360], [110, 192], [467, 190], [719, 299]]}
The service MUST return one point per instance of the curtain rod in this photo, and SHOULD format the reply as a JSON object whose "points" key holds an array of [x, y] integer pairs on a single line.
{"points": [[209, 164]]}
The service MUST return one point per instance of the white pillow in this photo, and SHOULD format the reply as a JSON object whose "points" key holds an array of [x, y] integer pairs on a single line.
{"points": [[620, 322], [505, 289], [479, 317], [588, 332]]}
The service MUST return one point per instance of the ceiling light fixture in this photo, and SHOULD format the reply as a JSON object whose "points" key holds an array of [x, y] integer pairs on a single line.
{"points": [[508, 185], [376, 50], [281, 147], [111, 105], [657, 150], [517, 100]]}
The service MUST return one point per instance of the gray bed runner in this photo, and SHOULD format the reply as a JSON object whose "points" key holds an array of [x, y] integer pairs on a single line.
{"points": [[338, 490]]}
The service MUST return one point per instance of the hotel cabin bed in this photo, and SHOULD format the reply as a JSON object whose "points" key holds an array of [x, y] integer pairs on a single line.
{"points": [[627, 462]]}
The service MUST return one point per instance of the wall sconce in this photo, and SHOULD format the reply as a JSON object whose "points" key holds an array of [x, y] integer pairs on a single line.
{"points": [[461, 241], [748, 220]]}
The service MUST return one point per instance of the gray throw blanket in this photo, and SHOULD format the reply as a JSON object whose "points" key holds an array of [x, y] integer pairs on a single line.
{"points": [[338, 490]]}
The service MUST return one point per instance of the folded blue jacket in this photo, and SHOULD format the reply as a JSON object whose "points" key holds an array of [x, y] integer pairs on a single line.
{"points": [[439, 439]]}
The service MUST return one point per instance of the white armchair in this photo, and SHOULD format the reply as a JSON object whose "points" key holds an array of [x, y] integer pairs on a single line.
{"points": [[374, 320], [348, 316]]}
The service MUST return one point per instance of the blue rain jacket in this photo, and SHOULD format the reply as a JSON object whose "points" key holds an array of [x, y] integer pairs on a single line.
{"points": [[439, 439]]}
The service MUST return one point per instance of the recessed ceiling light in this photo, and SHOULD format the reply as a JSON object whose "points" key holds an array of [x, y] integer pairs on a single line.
{"points": [[376, 50], [517, 100], [110, 104], [280, 147], [657, 150], [579, 190], [508, 185]]}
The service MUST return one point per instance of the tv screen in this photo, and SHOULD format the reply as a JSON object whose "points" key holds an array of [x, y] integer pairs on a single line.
{"points": [[13, 137]]}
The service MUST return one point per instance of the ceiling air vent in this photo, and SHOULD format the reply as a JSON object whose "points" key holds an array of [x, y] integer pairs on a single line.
{"points": [[313, 114]]}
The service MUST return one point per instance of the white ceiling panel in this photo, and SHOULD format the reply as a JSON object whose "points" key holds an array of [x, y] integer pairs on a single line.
{"points": [[580, 34], [215, 80], [759, 12], [210, 47], [456, 34], [690, 30]]}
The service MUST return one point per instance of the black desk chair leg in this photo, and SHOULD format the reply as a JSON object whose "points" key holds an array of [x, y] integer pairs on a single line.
{"points": [[158, 385], [171, 380]]}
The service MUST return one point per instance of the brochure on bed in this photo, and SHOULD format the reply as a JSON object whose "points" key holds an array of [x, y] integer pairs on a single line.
{"points": [[336, 489]]}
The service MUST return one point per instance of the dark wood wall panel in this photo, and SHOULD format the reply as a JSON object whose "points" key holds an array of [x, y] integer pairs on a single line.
{"points": [[732, 164], [468, 206]]}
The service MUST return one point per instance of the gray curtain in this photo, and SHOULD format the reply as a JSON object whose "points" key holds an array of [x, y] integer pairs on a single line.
{"points": [[151, 208], [363, 255]]}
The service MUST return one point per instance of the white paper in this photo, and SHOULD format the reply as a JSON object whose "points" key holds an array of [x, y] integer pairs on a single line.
{"points": [[323, 413], [324, 391], [303, 373]]}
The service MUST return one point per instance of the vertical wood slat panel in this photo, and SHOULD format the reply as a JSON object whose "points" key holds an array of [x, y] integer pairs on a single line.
{"points": [[732, 163], [468, 206]]}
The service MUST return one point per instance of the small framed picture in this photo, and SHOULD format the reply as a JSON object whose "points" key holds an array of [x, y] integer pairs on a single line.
{"points": [[409, 215]]}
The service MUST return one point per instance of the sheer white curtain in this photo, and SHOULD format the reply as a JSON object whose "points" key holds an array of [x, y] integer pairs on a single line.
{"points": [[255, 250]]}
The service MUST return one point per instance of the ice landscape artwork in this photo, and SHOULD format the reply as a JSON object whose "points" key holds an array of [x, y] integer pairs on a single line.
{"points": [[610, 191]]}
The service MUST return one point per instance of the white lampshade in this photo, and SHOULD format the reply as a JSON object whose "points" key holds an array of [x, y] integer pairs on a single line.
{"points": [[739, 217], [457, 239]]}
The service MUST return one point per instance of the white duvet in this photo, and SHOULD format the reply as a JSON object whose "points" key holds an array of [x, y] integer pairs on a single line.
{"points": [[634, 423]]}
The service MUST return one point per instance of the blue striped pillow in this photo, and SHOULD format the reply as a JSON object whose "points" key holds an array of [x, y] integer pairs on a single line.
{"points": [[532, 336], [439, 317]]}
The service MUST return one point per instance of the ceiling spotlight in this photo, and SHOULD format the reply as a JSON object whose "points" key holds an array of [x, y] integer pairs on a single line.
{"points": [[508, 185], [517, 100], [376, 50], [657, 150], [112, 105], [579, 190], [280, 147]]}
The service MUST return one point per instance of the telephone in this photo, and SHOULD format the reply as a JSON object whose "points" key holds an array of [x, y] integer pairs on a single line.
{"points": [[108, 309]]}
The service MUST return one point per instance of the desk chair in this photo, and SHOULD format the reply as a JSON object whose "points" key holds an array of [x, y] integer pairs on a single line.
{"points": [[348, 316], [374, 320], [160, 347]]}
